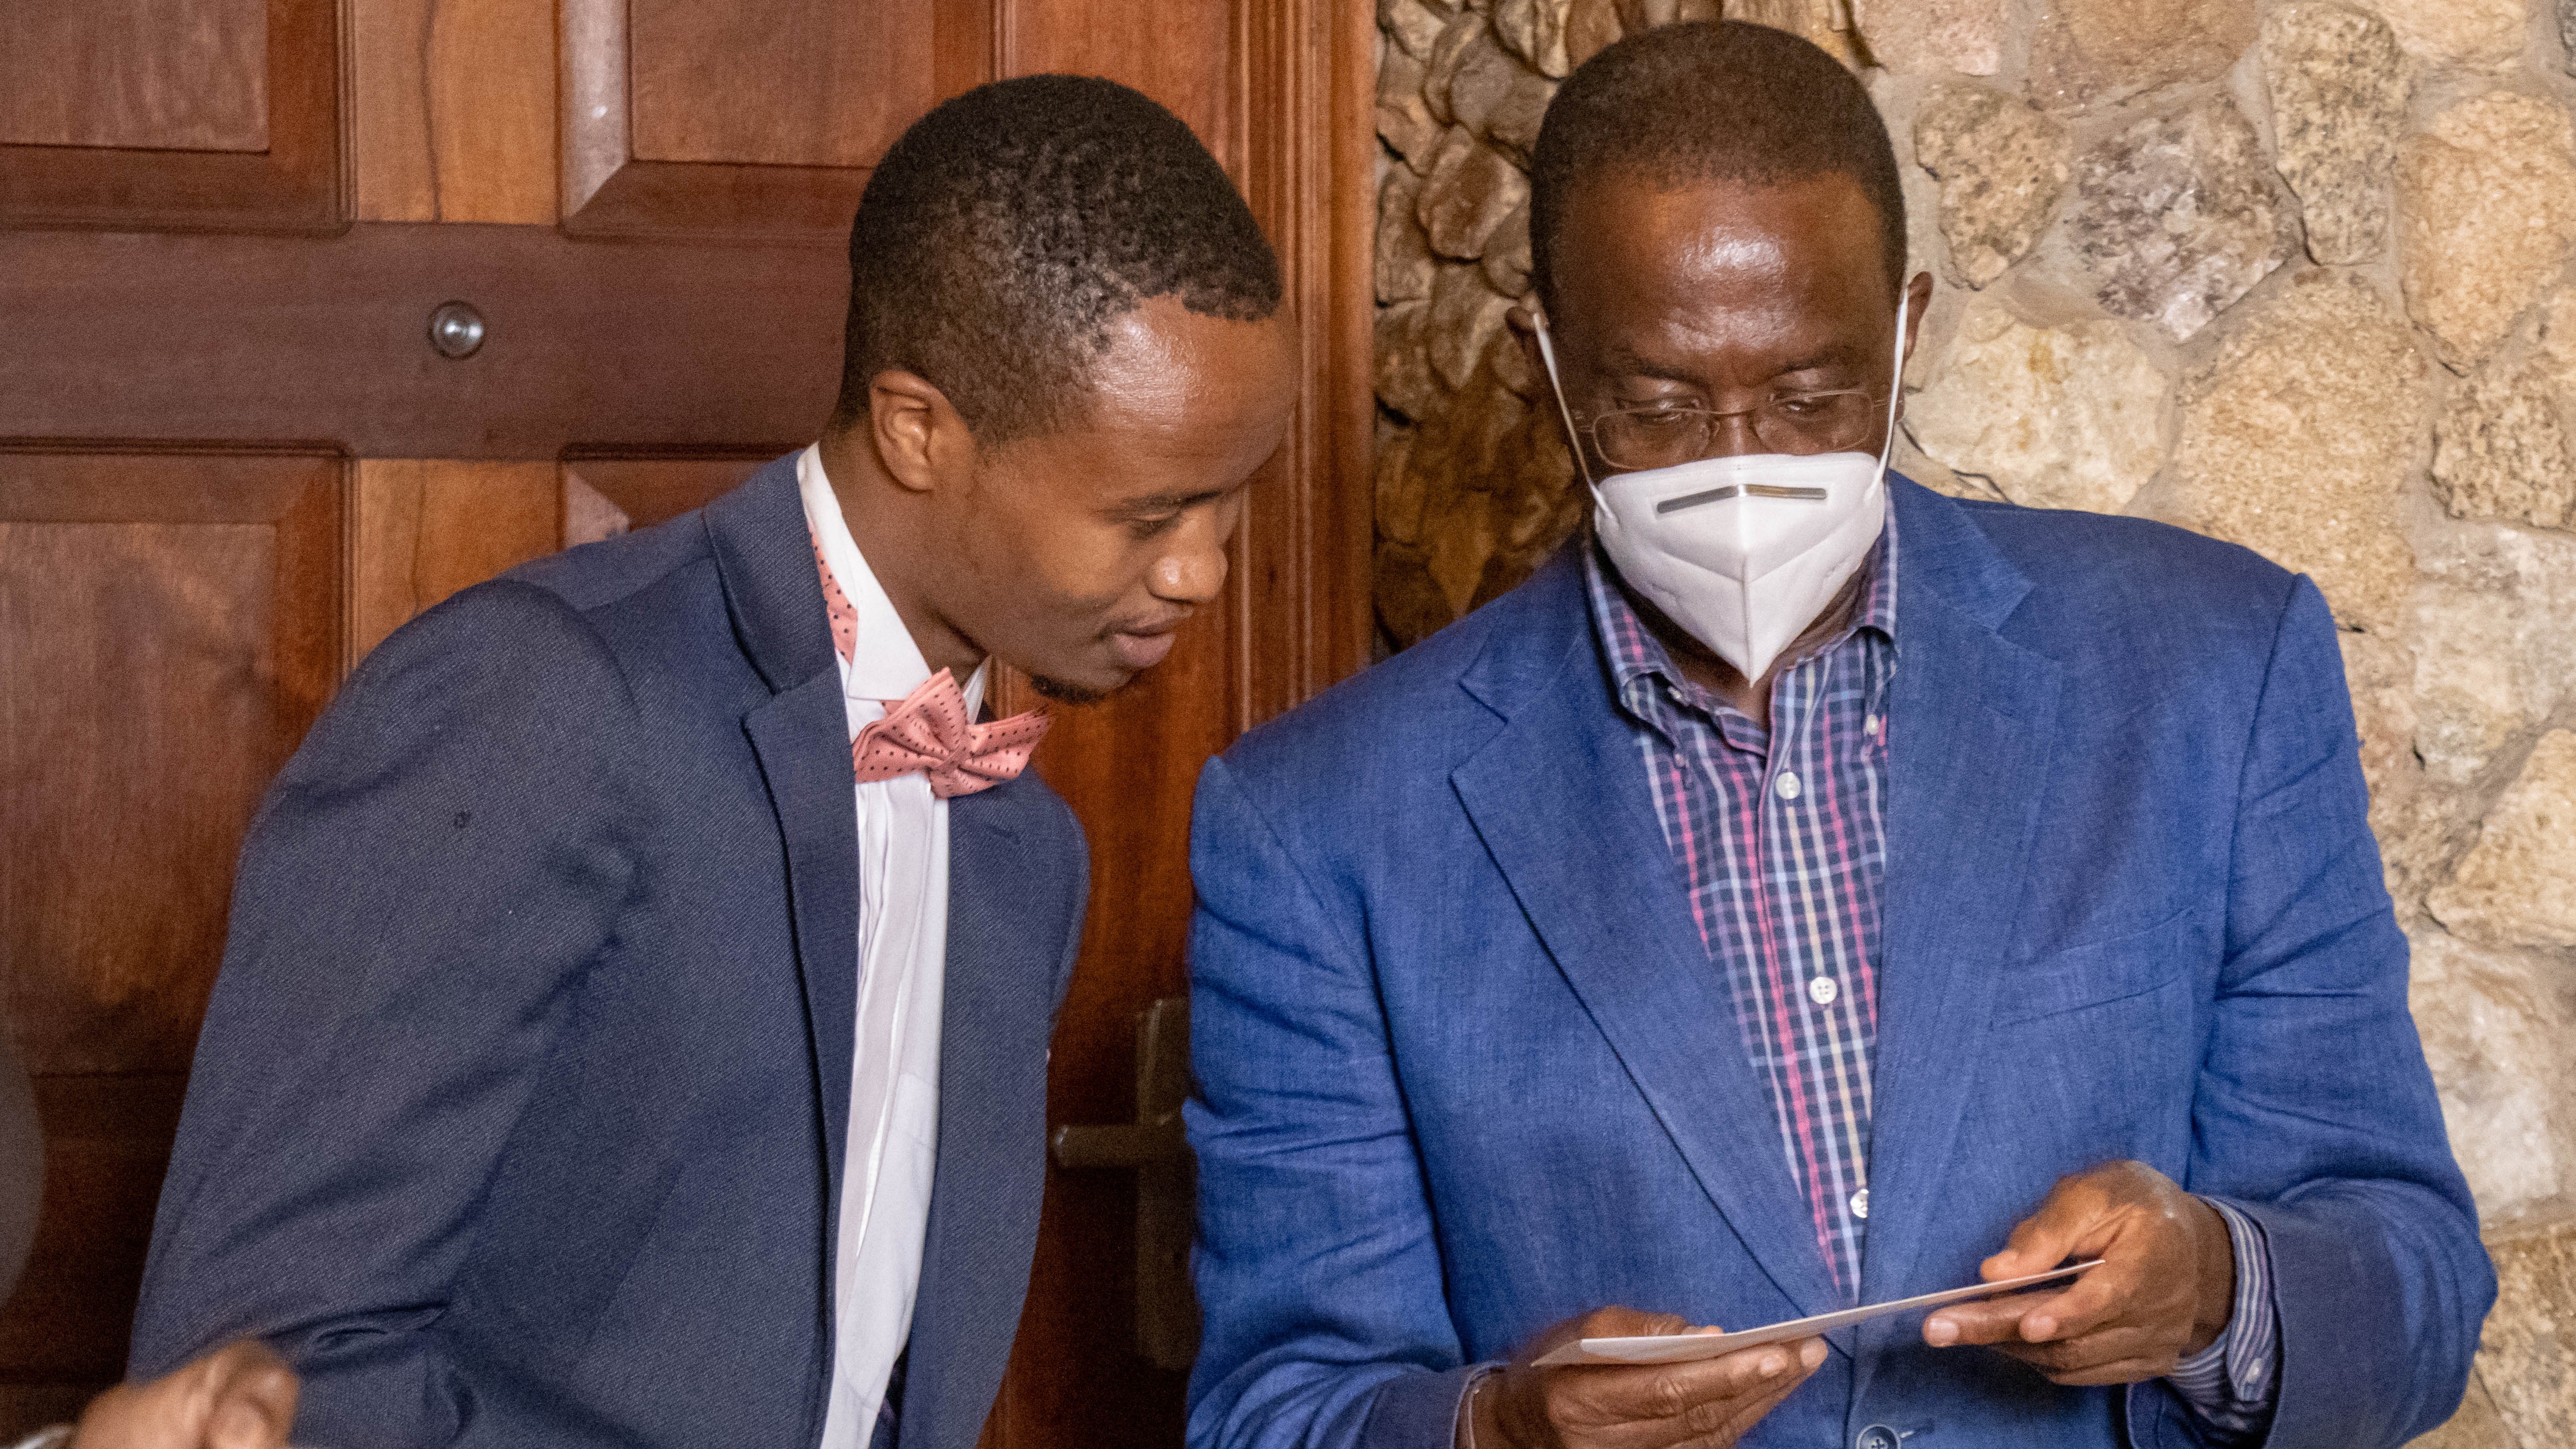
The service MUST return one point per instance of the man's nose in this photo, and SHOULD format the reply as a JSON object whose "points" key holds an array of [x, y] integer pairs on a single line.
{"points": [[1193, 572], [1734, 437]]}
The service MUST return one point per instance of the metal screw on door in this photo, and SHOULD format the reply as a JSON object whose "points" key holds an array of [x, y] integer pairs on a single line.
{"points": [[455, 329], [1167, 1311]]}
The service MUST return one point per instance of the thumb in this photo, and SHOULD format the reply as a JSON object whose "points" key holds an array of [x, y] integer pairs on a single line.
{"points": [[254, 1404], [2039, 1242]]}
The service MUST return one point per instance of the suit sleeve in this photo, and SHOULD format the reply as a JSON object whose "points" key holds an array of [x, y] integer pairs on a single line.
{"points": [[1318, 1274], [2316, 1116], [417, 903]]}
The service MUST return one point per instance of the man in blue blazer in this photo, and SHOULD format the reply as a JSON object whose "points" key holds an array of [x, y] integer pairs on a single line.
{"points": [[634, 1025], [1810, 891]]}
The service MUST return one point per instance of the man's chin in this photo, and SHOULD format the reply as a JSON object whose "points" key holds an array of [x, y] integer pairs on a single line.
{"points": [[1065, 691]]}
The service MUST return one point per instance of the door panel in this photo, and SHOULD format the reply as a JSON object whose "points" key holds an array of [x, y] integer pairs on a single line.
{"points": [[456, 113], [168, 75], [185, 114], [754, 121], [171, 623], [425, 528], [604, 497]]}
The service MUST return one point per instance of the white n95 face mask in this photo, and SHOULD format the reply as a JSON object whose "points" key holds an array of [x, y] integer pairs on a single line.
{"points": [[1743, 553]]}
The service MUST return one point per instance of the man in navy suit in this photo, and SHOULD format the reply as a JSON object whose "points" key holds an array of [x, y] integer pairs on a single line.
{"points": [[633, 1029], [1810, 891]]}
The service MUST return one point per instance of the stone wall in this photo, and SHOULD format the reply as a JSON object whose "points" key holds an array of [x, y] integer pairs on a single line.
{"points": [[2290, 272]]}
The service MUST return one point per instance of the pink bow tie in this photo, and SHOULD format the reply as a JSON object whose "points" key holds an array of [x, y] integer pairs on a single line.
{"points": [[929, 730]]}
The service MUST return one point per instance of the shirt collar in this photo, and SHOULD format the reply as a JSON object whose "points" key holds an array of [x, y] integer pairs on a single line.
{"points": [[1637, 658], [885, 665]]}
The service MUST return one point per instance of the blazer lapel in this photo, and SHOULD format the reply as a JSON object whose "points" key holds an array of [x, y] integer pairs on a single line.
{"points": [[1970, 724], [764, 555], [1005, 942], [1561, 801]]}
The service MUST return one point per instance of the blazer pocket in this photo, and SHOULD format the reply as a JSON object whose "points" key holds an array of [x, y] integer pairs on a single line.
{"points": [[2097, 973]]}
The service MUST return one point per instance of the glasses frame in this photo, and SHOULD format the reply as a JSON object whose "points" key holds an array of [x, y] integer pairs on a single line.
{"points": [[1591, 425]]}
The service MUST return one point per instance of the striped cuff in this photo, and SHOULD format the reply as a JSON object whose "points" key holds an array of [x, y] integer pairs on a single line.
{"points": [[2231, 1385]]}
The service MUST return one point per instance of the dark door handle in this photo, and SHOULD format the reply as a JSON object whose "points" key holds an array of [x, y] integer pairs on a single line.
{"points": [[1153, 1146]]}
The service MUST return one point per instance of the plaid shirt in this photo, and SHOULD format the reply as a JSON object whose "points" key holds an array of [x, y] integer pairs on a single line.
{"points": [[1781, 836]]}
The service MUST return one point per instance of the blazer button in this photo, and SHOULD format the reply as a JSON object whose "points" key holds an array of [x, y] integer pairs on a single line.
{"points": [[1876, 1436]]}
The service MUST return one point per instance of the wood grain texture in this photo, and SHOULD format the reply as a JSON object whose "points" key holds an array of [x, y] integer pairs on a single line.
{"points": [[289, 182], [453, 110], [171, 623], [168, 75], [421, 529], [626, 116], [777, 82], [1180, 52], [671, 347]]}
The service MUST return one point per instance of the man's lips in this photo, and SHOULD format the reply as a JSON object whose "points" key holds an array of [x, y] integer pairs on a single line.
{"points": [[1143, 648]]}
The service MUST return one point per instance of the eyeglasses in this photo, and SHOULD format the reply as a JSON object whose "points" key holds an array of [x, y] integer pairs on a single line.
{"points": [[1637, 439]]}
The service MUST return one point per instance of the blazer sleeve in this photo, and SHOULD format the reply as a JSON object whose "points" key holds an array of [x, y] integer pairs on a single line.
{"points": [[1319, 1278], [2316, 1114], [417, 902]]}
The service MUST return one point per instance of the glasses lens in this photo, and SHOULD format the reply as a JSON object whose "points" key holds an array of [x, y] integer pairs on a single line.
{"points": [[1668, 437], [1654, 438], [1814, 423]]}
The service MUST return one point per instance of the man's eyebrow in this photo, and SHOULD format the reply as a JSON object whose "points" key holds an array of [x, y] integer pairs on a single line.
{"points": [[1621, 361], [1166, 502]]}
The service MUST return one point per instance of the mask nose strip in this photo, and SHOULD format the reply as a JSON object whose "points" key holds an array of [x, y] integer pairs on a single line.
{"points": [[1694, 500]]}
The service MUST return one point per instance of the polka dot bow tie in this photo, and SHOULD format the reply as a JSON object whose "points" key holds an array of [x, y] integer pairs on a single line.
{"points": [[929, 729]]}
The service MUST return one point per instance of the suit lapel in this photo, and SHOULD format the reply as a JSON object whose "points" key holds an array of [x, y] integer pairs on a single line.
{"points": [[1970, 725], [764, 555], [1005, 939], [1561, 801]]}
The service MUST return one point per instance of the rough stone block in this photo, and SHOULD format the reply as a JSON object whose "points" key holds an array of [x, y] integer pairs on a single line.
{"points": [[1926, 37], [2298, 435], [2174, 217], [1469, 194], [2339, 87], [1403, 262], [1404, 377], [2529, 1360], [1412, 25], [2066, 417], [2495, 1036], [2086, 52], [1403, 117], [2489, 201], [2517, 885], [2002, 166], [2476, 33], [2500, 450], [1466, 316]]}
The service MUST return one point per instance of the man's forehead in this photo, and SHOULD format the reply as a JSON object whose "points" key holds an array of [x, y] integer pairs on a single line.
{"points": [[1634, 244]]}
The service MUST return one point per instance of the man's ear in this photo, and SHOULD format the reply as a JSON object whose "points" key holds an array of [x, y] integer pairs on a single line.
{"points": [[1918, 293], [919, 437]]}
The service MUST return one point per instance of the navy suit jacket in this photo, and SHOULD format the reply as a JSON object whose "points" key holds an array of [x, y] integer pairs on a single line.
{"points": [[1465, 1068], [518, 1116]]}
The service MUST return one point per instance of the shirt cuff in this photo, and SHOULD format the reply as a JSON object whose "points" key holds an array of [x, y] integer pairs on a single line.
{"points": [[1464, 1432], [2232, 1384]]}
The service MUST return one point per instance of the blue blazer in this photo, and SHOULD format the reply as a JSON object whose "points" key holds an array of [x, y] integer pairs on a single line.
{"points": [[1464, 1068], [518, 1116]]}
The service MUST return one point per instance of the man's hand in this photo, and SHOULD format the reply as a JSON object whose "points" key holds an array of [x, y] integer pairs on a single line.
{"points": [[1703, 1405], [241, 1397], [2163, 1292]]}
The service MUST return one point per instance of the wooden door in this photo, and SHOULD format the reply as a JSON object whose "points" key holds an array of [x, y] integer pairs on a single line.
{"points": [[236, 451]]}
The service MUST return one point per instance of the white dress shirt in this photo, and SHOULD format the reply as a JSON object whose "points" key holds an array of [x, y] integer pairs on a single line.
{"points": [[902, 965]]}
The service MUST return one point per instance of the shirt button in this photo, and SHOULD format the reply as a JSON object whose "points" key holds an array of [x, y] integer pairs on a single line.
{"points": [[1860, 1204], [1787, 785], [1823, 990], [1869, 726], [1876, 1436]]}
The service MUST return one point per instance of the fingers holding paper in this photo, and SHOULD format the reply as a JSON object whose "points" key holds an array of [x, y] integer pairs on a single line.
{"points": [[1704, 1404], [2162, 1293]]}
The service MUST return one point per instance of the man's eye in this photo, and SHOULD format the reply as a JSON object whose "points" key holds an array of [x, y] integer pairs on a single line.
{"points": [[1149, 527], [1660, 419]]}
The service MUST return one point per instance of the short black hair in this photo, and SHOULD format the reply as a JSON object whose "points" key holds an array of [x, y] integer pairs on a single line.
{"points": [[1006, 229], [1712, 101]]}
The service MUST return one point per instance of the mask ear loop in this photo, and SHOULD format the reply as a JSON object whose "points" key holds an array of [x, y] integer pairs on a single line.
{"points": [[1896, 389], [1573, 438]]}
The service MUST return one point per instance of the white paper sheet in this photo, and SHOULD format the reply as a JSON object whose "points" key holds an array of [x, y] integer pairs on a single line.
{"points": [[1685, 1347]]}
